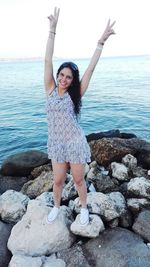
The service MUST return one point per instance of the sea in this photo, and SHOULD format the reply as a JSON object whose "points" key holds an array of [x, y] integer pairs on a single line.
{"points": [[118, 97]]}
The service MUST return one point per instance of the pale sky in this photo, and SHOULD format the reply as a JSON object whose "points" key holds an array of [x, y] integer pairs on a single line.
{"points": [[24, 27]]}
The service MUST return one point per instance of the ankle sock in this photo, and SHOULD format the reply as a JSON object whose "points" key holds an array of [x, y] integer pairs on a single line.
{"points": [[53, 214], [84, 216]]}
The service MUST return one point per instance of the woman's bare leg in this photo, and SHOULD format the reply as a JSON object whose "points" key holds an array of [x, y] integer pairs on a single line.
{"points": [[78, 172], [59, 172]]}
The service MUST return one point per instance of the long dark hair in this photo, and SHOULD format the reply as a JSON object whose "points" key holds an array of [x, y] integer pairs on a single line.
{"points": [[74, 89]]}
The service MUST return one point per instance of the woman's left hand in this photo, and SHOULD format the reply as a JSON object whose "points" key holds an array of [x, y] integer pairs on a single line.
{"points": [[107, 32]]}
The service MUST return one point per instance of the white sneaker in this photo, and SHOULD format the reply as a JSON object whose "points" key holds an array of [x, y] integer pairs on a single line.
{"points": [[52, 215], [84, 216]]}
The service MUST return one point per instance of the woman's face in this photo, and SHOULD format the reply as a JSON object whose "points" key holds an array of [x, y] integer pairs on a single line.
{"points": [[65, 78]]}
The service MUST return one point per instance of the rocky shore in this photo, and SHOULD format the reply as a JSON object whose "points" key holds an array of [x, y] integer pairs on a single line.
{"points": [[118, 182]]}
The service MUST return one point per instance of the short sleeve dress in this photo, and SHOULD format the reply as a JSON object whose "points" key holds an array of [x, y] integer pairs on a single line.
{"points": [[66, 139]]}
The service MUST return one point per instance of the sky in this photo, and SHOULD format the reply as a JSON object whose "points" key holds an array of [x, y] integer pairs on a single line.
{"points": [[24, 27]]}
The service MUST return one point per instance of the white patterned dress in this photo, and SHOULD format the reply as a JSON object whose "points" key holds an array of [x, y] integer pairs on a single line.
{"points": [[66, 139]]}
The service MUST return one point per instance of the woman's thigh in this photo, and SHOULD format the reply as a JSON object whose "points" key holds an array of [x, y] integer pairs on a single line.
{"points": [[59, 170]]}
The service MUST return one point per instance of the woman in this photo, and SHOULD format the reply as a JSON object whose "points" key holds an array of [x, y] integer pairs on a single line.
{"points": [[67, 145]]}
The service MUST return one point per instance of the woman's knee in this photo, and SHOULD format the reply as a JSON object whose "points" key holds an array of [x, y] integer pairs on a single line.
{"points": [[79, 181], [59, 180]]}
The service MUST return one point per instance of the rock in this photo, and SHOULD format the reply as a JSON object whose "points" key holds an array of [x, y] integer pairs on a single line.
{"points": [[26, 261], [9, 182], [33, 236], [117, 247], [91, 230], [108, 134], [46, 198], [119, 171], [107, 150], [138, 172], [129, 161], [13, 206], [139, 186], [119, 202], [36, 187], [142, 225], [91, 173], [87, 168], [69, 191], [100, 204], [144, 158], [5, 254], [22, 164], [136, 205], [73, 256], [93, 164], [114, 223], [103, 183], [148, 172], [38, 170]]}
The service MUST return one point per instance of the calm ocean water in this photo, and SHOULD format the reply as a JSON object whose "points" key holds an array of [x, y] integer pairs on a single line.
{"points": [[118, 97]]}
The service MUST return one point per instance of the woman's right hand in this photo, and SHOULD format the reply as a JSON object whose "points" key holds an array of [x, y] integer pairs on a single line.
{"points": [[53, 19]]}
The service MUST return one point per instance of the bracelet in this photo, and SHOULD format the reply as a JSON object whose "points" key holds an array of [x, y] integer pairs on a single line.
{"points": [[53, 32]]}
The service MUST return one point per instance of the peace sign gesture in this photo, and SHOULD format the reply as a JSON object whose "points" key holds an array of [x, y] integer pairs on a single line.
{"points": [[53, 18], [107, 32]]}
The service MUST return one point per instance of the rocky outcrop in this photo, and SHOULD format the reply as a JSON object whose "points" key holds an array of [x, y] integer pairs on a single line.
{"points": [[118, 198]]}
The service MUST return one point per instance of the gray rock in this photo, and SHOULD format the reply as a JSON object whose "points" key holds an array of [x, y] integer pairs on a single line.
{"points": [[22, 164], [91, 230], [46, 198], [137, 204], [139, 172], [103, 183], [100, 204], [14, 183], [139, 186], [13, 206], [119, 171], [117, 247], [129, 161], [69, 190], [27, 261], [73, 256], [5, 254], [33, 236], [142, 225]]}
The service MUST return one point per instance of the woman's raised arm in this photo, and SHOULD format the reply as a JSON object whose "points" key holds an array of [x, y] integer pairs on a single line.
{"points": [[49, 80], [94, 60]]}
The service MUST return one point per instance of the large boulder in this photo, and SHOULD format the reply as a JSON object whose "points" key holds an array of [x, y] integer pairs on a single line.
{"points": [[117, 247], [107, 150], [33, 236], [5, 254], [22, 164]]}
